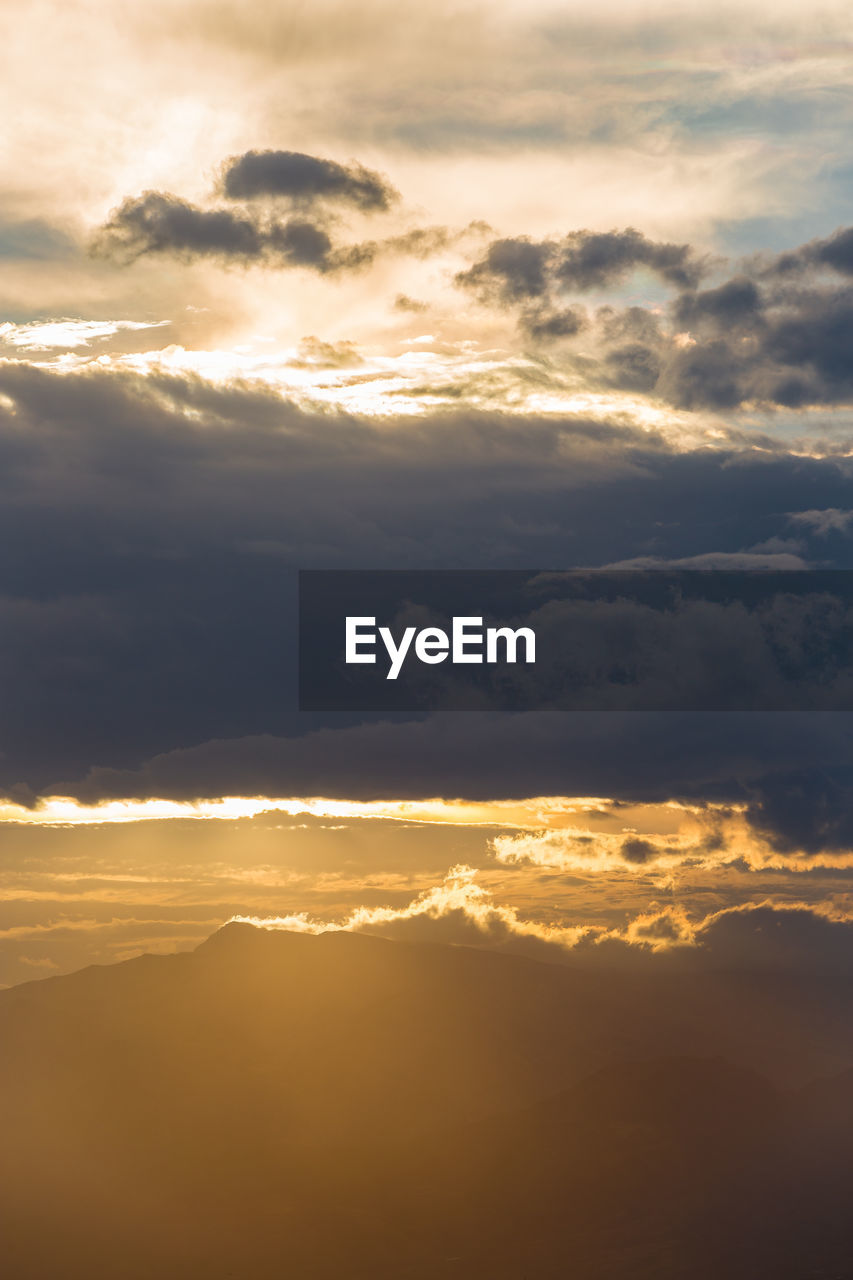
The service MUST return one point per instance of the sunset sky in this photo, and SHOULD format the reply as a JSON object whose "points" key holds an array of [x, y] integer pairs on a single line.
{"points": [[326, 285]]}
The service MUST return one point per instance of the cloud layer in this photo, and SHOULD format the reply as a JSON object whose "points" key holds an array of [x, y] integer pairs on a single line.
{"points": [[775, 333], [152, 611]]}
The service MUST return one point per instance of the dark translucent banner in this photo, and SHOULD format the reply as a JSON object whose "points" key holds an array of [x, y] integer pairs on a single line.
{"points": [[590, 640]]}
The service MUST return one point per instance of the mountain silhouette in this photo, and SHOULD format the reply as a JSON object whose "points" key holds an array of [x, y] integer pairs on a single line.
{"points": [[340, 1105]]}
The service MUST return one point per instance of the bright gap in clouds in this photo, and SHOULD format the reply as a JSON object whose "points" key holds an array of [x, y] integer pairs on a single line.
{"points": [[386, 385], [540, 811], [555, 835], [66, 811]]}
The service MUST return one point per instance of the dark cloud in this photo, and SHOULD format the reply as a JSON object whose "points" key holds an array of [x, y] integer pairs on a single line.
{"points": [[629, 325], [149, 611], [513, 270], [544, 324], [835, 253], [635, 757], [302, 244], [809, 810], [735, 302], [769, 938], [703, 376], [637, 851], [752, 941], [161, 223], [633, 367], [158, 222], [590, 260], [305, 179], [790, 349], [777, 334], [774, 334]]}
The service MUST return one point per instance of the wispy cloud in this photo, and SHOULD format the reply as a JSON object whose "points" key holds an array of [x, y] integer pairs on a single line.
{"points": [[44, 335]]}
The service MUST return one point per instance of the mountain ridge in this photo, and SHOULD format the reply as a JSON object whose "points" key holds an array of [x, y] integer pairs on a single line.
{"points": [[342, 1096]]}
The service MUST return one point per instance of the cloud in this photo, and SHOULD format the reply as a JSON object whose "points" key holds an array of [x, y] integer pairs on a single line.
{"points": [[778, 938], [659, 931], [544, 324], [762, 937], [783, 558], [42, 335], [313, 353], [638, 851], [160, 223], [834, 253], [777, 333], [510, 270], [745, 342], [831, 520], [703, 838], [790, 349], [590, 260], [730, 759], [632, 367], [157, 222], [733, 303], [305, 179], [154, 515], [805, 809], [458, 911], [753, 938], [514, 270]]}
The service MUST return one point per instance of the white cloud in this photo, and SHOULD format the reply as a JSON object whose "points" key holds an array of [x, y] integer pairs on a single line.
{"points": [[456, 911], [44, 335]]}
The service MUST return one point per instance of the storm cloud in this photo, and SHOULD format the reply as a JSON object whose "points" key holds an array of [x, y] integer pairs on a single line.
{"points": [[150, 607]]}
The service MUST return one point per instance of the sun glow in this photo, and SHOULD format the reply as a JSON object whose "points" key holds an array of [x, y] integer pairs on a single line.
{"points": [[399, 383], [67, 811], [540, 812]]}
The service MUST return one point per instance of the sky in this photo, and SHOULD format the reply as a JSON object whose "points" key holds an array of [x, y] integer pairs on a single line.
{"points": [[293, 286]]}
